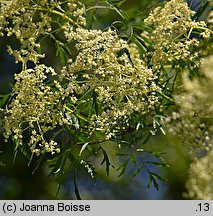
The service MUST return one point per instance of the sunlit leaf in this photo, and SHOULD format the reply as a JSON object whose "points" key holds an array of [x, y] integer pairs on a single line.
{"points": [[83, 148]]}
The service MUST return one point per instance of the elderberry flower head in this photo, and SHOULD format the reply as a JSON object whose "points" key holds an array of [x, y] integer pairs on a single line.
{"points": [[36, 108], [200, 181], [122, 83], [172, 33], [193, 120]]}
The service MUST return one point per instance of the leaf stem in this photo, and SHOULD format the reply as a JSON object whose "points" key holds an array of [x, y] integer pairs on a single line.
{"points": [[56, 13], [165, 96]]}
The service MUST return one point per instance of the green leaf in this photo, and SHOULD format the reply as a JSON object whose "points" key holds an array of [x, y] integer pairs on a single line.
{"points": [[4, 100], [119, 11], [141, 48], [39, 50], [137, 171], [126, 51], [152, 181], [146, 139], [95, 101], [123, 167], [90, 18], [156, 185], [62, 57], [56, 166], [83, 148], [203, 5], [78, 114], [158, 155], [106, 161], [140, 40], [159, 164], [133, 159], [67, 49], [76, 189], [157, 176], [59, 165], [82, 138], [62, 51], [40, 160], [120, 3]]}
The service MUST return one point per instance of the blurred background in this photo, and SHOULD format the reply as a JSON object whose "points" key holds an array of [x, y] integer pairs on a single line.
{"points": [[18, 180]]}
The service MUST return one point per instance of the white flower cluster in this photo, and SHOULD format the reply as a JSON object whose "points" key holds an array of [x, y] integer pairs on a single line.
{"points": [[200, 181], [28, 21], [44, 100], [8, 8], [103, 73], [123, 86], [194, 122], [172, 33], [88, 168], [36, 109]]}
